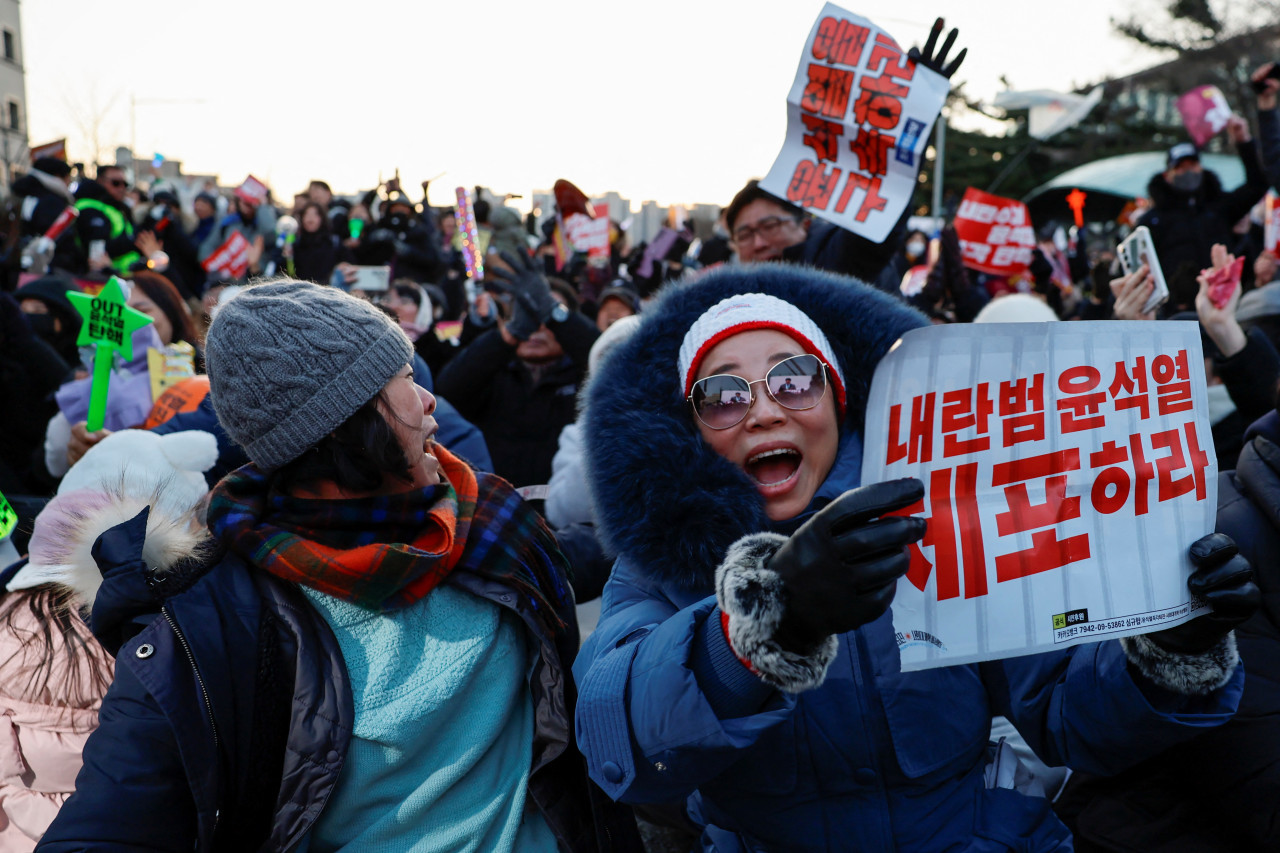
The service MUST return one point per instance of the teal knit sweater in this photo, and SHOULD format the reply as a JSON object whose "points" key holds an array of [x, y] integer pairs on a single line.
{"points": [[443, 738]]}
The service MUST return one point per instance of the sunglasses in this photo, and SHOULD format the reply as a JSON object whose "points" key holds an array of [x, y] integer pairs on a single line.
{"points": [[117, 182], [795, 383]]}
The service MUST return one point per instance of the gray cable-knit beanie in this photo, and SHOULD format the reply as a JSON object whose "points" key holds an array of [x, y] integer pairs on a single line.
{"points": [[290, 361]]}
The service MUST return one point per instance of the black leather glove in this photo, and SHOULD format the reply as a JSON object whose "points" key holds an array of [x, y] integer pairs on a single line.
{"points": [[939, 63], [840, 569], [528, 291], [1224, 579]]}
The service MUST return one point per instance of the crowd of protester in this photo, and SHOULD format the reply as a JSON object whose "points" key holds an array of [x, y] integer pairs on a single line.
{"points": [[315, 583]]}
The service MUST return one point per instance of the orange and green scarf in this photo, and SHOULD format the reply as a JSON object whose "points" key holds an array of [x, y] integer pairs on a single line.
{"points": [[388, 551]]}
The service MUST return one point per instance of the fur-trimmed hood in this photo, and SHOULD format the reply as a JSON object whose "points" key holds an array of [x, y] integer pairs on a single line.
{"points": [[666, 501]]}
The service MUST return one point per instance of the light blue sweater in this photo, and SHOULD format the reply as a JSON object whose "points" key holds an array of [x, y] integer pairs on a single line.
{"points": [[443, 738]]}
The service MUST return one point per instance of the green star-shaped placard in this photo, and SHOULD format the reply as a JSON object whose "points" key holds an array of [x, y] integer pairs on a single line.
{"points": [[108, 326], [108, 321]]}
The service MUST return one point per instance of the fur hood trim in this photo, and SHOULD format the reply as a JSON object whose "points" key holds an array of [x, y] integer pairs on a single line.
{"points": [[664, 500], [71, 525]]}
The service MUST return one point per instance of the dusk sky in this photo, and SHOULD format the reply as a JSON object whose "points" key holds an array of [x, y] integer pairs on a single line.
{"points": [[679, 102]]}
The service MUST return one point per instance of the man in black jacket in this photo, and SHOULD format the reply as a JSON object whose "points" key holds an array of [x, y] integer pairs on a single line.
{"points": [[518, 382], [1192, 211]]}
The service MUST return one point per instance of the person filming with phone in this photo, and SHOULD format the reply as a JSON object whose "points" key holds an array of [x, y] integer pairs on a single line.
{"points": [[1191, 210]]}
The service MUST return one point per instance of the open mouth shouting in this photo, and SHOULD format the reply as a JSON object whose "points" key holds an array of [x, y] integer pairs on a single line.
{"points": [[775, 467]]}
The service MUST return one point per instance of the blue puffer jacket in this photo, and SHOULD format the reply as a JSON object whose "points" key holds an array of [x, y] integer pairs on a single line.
{"points": [[873, 759]]}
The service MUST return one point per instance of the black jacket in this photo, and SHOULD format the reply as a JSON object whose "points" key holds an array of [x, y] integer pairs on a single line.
{"points": [[42, 204], [830, 247], [231, 713], [1185, 225], [95, 225], [521, 417], [1220, 792], [411, 248]]}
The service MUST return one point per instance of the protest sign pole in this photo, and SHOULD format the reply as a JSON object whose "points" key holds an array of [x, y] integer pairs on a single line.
{"points": [[102, 358], [107, 325]]}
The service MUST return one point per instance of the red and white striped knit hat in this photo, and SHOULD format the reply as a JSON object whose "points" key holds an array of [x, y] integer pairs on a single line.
{"points": [[748, 311]]}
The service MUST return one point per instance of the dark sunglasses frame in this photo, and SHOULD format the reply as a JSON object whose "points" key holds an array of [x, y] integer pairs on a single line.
{"points": [[751, 391]]}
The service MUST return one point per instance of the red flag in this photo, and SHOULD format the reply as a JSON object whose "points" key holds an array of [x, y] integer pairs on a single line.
{"points": [[56, 149]]}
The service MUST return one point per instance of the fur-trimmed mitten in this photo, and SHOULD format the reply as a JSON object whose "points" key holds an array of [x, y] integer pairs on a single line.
{"points": [[1199, 656], [785, 598]]}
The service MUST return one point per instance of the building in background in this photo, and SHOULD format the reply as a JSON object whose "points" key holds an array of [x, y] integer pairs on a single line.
{"points": [[13, 90]]}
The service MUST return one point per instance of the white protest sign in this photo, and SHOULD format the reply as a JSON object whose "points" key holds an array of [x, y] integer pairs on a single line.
{"points": [[1067, 467], [858, 119]]}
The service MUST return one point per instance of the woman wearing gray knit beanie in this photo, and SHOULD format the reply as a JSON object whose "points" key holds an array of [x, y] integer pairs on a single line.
{"points": [[377, 654]]}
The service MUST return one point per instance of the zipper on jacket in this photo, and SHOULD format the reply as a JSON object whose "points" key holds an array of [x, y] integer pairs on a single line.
{"points": [[204, 692]]}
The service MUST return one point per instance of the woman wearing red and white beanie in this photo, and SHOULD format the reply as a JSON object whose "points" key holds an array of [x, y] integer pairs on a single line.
{"points": [[745, 664]]}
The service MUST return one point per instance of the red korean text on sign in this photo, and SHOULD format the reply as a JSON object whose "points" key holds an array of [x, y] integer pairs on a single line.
{"points": [[840, 41], [1171, 451], [995, 233], [829, 98], [823, 137], [827, 92], [1079, 407], [1047, 551], [812, 184], [1130, 472]]}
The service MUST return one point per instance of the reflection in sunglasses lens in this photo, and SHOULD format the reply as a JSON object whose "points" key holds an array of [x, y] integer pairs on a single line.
{"points": [[796, 383]]}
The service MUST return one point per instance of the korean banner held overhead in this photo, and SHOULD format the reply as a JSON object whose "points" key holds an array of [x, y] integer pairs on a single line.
{"points": [[1068, 467], [995, 233], [858, 119], [231, 258]]}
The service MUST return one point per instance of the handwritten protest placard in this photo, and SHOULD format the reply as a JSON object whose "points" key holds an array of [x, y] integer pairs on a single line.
{"points": [[1204, 113], [1067, 468], [232, 257], [995, 233], [858, 119]]}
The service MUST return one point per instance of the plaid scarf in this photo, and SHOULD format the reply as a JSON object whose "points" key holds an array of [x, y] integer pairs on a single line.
{"points": [[388, 551]]}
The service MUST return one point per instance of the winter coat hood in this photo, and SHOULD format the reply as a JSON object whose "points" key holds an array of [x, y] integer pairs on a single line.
{"points": [[663, 498], [1164, 196], [36, 183]]}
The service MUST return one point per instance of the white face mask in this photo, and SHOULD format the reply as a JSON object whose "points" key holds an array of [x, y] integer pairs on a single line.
{"points": [[915, 248]]}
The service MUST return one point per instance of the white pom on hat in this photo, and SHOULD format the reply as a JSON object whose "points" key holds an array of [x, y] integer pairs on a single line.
{"points": [[747, 311]]}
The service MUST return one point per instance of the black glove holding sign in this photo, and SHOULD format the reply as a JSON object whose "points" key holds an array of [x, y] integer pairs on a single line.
{"points": [[1198, 657], [525, 289], [1225, 580], [938, 63], [840, 569]]}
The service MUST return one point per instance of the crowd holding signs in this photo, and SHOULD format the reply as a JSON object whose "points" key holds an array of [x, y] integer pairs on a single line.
{"points": [[880, 562]]}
